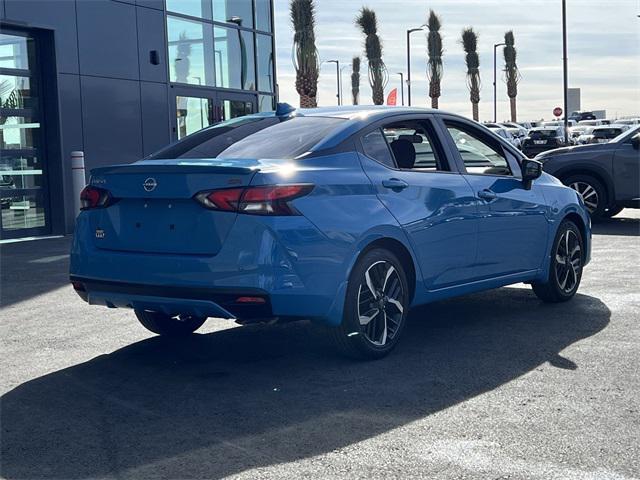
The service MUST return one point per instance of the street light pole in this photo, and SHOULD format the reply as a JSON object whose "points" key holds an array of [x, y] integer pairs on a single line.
{"points": [[341, 69], [401, 86], [337, 62], [409, 32], [565, 69], [495, 88]]}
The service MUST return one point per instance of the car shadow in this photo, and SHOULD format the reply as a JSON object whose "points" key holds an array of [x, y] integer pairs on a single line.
{"points": [[221, 403], [626, 226], [29, 269]]}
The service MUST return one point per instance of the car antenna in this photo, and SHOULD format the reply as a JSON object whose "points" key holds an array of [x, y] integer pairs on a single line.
{"points": [[284, 109]]}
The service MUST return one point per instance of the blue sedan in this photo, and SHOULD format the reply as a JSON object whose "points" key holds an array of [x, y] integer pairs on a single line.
{"points": [[346, 216]]}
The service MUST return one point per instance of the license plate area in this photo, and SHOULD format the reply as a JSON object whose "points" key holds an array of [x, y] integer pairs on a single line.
{"points": [[539, 142], [179, 226]]}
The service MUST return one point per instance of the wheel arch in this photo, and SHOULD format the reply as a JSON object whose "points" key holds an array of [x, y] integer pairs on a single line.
{"points": [[577, 219], [402, 252], [594, 172]]}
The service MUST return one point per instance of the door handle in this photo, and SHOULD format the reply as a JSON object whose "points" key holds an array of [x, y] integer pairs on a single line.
{"points": [[487, 194], [395, 184]]}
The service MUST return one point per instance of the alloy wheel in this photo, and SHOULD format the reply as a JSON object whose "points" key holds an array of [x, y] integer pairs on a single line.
{"points": [[588, 193], [568, 261], [380, 300]]}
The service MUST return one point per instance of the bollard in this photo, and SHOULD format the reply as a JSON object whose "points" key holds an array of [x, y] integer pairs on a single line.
{"points": [[78, 179]]}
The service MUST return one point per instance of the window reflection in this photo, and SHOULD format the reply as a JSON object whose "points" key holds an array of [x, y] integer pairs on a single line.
{"points": [[193, 114], [25, 211], [15, 51], [235, 66], [263, 15], [265, 63], [265, 103], [194, 8], [236, 108], [15, 92], [190, 52], [239, 12]]}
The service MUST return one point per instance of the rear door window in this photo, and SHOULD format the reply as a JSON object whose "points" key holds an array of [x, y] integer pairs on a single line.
{"points": [[375, 146]]}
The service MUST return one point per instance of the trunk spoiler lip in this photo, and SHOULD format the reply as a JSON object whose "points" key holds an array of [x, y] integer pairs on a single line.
{"points": [[230, 166]]}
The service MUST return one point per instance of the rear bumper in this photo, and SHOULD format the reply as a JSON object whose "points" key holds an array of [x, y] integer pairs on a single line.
{"points": [[286, 261], [173, 300]]}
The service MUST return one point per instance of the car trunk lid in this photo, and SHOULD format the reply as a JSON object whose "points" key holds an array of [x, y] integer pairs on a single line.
{"points": [[154, 210]]}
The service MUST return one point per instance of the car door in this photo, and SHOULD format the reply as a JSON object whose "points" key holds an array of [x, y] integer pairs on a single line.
{"points": [[429, 198], [626, 170], [513, 227]]}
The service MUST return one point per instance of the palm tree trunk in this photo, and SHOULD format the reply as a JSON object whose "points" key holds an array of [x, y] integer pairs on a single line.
{"points": [[513, 108], [308, 102], [434, 102], [474, 109]]}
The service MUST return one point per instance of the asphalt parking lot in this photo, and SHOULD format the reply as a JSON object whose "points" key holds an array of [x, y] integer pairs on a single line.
{"points": [[491, 385]]}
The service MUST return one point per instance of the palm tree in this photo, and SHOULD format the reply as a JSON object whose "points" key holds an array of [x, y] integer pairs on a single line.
{"points": [[434, 62], [373, 48], [355, 79], [511, 72], [470, 45], [305, 54]]}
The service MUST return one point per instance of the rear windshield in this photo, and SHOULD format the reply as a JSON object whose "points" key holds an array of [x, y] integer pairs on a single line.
{"points": [[543, 133], [253, 137], [607, 132]]}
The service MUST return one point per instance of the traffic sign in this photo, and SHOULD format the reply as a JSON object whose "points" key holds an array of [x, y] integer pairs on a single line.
{"points": [[557, 112]]}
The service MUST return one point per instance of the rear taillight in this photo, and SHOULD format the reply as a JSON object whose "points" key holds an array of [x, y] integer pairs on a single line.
{"points": [[94, 197], [262, 200]]}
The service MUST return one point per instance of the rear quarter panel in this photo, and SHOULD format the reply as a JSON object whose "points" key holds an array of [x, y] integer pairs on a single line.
{"points": [[344, 207]]}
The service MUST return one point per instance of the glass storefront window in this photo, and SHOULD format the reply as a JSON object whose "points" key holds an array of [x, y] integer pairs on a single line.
{"points": [[23, 211], [265, 103], [239, 12], [194, 113], [263, 15], [18, 133], [15, 92], [15, 51], [235, 64], [235, 108], [265, 63], [190, 52], [194, 8]]}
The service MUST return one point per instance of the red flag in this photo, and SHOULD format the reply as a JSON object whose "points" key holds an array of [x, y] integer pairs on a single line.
{"points": [[393, 97]]}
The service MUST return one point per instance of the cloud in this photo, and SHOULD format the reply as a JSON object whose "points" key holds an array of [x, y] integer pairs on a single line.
{"points": [[604, 47]]}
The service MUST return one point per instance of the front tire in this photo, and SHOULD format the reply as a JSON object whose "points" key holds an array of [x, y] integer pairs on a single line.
{"points": [[565, 269], [376, 307], [167, 325]]}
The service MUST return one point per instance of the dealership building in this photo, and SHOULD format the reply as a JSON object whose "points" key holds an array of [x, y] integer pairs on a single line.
{"points": [[116, 79]]}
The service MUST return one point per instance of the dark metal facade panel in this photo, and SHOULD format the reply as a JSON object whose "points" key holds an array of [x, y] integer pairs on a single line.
{"points": [[155, 111], [107, 35], [112, 120], [151, 38]]}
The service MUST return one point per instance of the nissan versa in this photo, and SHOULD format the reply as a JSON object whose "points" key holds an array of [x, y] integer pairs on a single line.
{"points": [[348, 217]]}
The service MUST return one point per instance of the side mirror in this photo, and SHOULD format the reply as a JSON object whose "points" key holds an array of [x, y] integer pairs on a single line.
{"points": [[635, 141], [531, 169]]}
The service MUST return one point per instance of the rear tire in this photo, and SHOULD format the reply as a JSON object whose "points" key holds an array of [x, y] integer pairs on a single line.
{"points": [[168, 326], [376, 307], [592, 191], [565, 269]]}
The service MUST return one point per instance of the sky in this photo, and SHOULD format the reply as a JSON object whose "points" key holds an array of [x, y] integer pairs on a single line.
{"points": [[603, 52]]}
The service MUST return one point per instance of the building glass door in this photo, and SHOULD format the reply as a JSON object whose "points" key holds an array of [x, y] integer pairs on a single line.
{"points": [[24, 201], [199, 108]]}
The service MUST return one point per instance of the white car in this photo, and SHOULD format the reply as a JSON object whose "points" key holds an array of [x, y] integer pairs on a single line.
{"points": [[628, 121], [504, 133], [606, 133], [590, 123]]}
